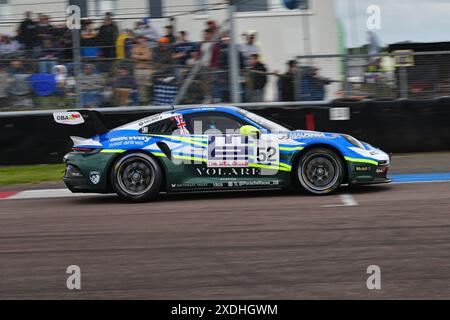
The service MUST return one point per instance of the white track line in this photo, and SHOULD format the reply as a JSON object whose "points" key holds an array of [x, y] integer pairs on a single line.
{"points": [[48, 193], [347, 201]]}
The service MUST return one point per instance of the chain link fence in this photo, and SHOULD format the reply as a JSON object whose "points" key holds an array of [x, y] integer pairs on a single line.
{"points": [[44, 78], [386, 76]]}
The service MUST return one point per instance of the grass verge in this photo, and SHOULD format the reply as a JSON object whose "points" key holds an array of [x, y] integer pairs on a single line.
{"points": [[31, 174]]}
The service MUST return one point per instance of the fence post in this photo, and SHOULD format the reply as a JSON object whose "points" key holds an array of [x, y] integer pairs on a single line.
{"points": [[77, 65], [347, 89], [73, 23], [234, 83]]}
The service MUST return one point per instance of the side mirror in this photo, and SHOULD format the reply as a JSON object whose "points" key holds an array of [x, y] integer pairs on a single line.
{"points": [[249, 131]]}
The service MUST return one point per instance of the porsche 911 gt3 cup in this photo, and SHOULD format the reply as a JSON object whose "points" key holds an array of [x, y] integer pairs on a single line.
{"points": [[213, 148]]}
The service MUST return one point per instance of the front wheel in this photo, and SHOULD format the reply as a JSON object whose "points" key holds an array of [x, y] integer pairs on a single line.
{"points": [[136, 177], [320, 171]]}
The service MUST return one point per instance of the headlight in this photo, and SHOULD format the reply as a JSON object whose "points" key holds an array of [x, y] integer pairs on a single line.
{"points": [[353, 141]]}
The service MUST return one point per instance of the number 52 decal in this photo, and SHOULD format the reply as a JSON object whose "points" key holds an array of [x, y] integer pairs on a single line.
{"points": [[266, 150]]}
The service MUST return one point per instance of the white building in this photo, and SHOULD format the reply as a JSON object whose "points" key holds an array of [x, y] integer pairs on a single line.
{"points": [[282, 34]]}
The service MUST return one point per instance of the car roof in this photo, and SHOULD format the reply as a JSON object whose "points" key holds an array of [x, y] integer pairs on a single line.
{"points": [[203, 108], [182, 111]]}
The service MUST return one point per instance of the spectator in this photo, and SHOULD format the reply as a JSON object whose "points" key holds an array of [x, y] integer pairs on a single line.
{"points": [[224, 48], [48, 57], [286, 83], [183, 48], [257, 79], [60, 72], [8, 46], [125, 87], [318, 86], [88, 30], [16, 68], [145, 28], [249, 48], [124, 43], [91, 86], [209, 50], [312, 86], [28, 33], [209, 60], [164, 84], [89, 40], [44, 29], [169, 34], [137, 30], [194, 58], [5, 84], [65, 45], [162, 59], [211, 25], [60, 35], [107, 37], [141, 53]]}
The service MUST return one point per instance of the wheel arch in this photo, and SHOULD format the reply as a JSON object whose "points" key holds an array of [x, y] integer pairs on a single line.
{"points": [[331, 147], [157, 159]]}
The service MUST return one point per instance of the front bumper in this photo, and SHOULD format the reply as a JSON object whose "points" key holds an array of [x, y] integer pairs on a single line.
{"points": [[368, 173], [376, 181]]}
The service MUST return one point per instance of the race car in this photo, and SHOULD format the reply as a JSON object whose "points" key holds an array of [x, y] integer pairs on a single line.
{"points": [[213, 148]]}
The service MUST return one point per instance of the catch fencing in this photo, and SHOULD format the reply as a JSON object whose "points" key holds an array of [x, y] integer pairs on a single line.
{"points": [[34, 81], [383, 76]]}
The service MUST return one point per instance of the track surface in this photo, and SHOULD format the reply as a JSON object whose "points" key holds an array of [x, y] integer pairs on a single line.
{"points": [[265, 244]]}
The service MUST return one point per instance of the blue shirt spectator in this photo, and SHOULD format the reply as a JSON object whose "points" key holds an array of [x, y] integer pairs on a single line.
{"points": [[183, 48]]}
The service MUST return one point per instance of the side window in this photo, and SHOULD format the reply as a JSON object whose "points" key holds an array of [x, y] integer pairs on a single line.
{"points": [[200, 122], [166, 126]]}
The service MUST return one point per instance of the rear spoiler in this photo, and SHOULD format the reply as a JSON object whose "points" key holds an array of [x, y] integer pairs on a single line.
{"points": [[76, 117]]}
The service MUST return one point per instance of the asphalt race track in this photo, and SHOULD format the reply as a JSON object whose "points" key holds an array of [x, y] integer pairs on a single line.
{"points": [[254, 245]]}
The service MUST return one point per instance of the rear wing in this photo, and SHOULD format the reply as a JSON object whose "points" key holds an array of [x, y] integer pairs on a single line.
{"points": [[77, 117]]}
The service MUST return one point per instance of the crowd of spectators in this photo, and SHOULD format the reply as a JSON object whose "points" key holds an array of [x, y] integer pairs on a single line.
{"points": [[132, 66]]}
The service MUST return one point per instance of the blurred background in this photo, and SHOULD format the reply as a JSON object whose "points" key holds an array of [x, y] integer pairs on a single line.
{"points": [[163, 52]]}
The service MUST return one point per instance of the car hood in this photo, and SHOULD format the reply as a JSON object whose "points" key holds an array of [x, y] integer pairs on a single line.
{"points": [[307, 134]]}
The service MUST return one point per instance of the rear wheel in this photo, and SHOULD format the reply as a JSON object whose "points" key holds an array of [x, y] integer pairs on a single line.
{"points": [[136, 177], [320, 171]]}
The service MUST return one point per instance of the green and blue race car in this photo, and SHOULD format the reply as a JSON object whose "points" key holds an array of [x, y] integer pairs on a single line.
{"points": [[213, 148]]}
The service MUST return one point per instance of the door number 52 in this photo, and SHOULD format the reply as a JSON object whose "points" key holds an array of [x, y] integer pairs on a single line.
{"points": [[266, 154]]}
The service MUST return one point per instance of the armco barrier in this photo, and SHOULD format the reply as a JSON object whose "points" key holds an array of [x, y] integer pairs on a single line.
{"points": [[394, 126], [34, 137], [411, 125]]}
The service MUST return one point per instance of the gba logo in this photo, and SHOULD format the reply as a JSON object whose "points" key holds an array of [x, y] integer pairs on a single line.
{"points": [[71, 118]]}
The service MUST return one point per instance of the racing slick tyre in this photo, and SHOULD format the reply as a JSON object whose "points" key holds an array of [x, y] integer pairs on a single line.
{"points": [[136, 177], [320, 171]]}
